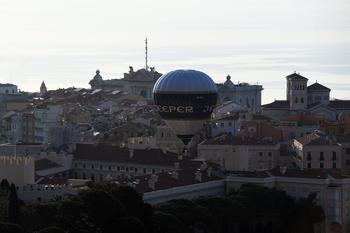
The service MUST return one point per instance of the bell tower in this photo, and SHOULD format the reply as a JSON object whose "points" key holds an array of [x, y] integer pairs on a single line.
{"points": [[43, 88], [297, 91]]}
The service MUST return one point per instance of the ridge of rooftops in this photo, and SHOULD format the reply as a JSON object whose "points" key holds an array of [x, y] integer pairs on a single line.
{"points": [[109, 153], [290, 172], [229, 139]]}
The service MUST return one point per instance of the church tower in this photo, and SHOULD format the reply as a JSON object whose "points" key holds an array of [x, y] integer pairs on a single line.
{"points": [[43, 88], [297, 91]]}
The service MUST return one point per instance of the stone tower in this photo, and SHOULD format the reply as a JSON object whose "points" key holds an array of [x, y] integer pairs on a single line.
{"points": [[43, 88], [297, 91]]}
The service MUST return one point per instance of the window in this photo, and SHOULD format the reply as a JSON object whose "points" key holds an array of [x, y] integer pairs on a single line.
{"points": [[127, 169], [308, 165], [348, 151], [109, 168], [75, 165], [309, 158], [260, 154], [153, 171], [222, 124], [321, 165], [296, 100], [92, 166], [334, 165], [144, 170], [302, 100], [270, 154], [334, 156], [347, 162], [84, 176], [84, 166], [230, 124], [321, 156], [101, 167], [135, 169], [118, 168]]}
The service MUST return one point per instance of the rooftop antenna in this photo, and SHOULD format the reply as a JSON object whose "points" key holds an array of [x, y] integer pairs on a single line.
{"points": [[146, 53]]}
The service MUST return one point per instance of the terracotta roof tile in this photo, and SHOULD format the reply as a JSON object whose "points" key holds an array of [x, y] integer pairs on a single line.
{"points": [[109, 153], [317, 87]]}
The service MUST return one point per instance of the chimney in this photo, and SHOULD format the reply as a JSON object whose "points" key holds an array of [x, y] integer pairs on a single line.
{"points": [[175, 175], [185, 152], [151, 184], [154, 177], [283, 170], [198, 176], [164, 151], [131, 153], [209, 171], [203, 165]]}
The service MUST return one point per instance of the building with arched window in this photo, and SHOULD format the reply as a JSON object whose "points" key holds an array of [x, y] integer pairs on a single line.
{"points": [[8, 88], [314, 99], [138, 82]]}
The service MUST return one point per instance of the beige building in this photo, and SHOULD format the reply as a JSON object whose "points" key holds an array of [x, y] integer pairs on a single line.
{"points": [[331, 188], [237, 154], [105, 162], [317, 151], [298, 125], [17, 170], [166, 139]]}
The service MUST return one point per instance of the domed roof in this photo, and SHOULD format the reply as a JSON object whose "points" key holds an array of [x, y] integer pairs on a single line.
{"points": [[185, 81]]}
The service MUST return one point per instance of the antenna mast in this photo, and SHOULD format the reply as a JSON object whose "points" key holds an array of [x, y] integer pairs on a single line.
{"points": [[146, 53]]}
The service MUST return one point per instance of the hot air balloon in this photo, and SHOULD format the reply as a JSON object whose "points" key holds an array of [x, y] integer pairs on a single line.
{"points": [[185, 100]]}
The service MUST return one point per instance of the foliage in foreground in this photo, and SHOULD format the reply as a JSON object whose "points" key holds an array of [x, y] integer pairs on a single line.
{"points": [[109, 208]]}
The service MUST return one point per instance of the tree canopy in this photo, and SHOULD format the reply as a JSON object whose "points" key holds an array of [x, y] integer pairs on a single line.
{"points": [[110, 208]]}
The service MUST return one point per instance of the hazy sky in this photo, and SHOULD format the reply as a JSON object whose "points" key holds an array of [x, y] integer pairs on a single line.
{"points": [[63, 42]]}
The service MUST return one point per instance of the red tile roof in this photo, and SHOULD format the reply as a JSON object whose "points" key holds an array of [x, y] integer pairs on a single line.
{"points": [[166, 180], [277, 104], [109, 153], [317, 87], [296, 76], [228, 139]]}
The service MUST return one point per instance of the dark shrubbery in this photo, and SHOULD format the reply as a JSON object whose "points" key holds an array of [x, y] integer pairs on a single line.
{"points": [[107, 208]]}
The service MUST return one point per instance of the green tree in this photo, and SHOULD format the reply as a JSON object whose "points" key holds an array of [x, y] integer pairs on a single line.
{"points": [[167, 223], [306, 214], [14, 205], [195, 217], [102, 208], [51, 230], [129, 224], [10, 228]]}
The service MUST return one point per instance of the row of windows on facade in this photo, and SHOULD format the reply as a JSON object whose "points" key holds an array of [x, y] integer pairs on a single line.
{"points": [[260, 153], [222, 124], [7, 91], [317, 98], [334, 165], [93, 177], [247, 102], [299, 87], [321, 157], [117, 168]]}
